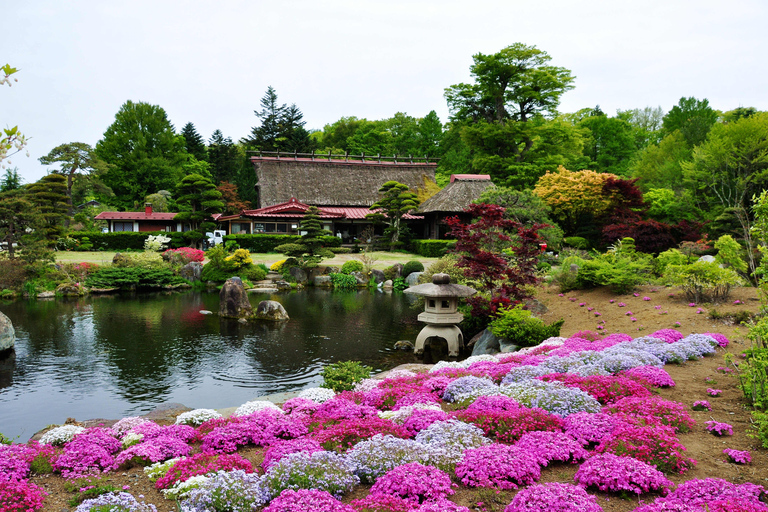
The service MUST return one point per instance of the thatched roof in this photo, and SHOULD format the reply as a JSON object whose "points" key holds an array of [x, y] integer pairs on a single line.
{"points": [[458, 194], [333, 183]]}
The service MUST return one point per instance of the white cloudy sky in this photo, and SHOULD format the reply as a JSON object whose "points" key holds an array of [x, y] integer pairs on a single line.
{"points": [[209, 62]]}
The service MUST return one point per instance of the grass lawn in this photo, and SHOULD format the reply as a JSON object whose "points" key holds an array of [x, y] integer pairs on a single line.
{"points": [[381, 260]]}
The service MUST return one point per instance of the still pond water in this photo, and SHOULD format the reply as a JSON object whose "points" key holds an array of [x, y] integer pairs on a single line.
{"points": [[123, 355]]}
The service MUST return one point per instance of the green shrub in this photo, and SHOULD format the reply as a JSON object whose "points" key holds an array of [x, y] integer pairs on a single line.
{"points": [[576, 241], [432, 248], [343, 281], [703, 281], [132, 277], [120, 241], [521, 328], [352, 266], [340, 250], [399, 284], [669, 257], [445, 265], [412, 266], [343, 376], [253, 273], [269, 243]]}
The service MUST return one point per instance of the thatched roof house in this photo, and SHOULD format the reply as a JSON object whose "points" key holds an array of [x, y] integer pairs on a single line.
{"points": [[457, 195], [321, 180]]}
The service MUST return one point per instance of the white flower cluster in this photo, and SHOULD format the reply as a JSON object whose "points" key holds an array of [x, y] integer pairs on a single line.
{"points": [[366, 385], [156, 243], [196, 417], [131, 438], [126, 424], [549, 342], [158, 470], [255, 406], [317, 395], [61, 435], [445, 364], [399, 416], [180, 489]]}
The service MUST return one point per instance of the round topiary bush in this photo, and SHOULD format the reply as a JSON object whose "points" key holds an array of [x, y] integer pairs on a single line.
{"points": [[352, 266], [412, 266]]}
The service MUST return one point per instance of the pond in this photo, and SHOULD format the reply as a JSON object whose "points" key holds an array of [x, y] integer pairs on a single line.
{"points": [[122, 355]]}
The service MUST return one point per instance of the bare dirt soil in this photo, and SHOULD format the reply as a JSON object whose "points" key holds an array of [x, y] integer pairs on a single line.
{"points": [[691, 378]]}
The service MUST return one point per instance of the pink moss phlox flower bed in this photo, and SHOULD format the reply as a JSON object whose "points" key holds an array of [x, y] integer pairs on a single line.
{"points": [[547, 447], [594, 407], [719, 429], [605, 388], [652, 410], [611, 473], [415, 482], [655, 445], [499, 466], [201, 464], [553, 497], [305, 500], [738, 456], [20, 496]]}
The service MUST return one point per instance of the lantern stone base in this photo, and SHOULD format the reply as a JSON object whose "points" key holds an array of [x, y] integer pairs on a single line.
{"points": [[450, 333]]}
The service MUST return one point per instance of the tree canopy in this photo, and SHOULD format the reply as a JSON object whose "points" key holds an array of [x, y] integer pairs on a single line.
{"points": [[144, 153]]}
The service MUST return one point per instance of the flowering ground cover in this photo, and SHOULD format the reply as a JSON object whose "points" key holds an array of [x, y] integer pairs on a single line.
{"points": [[610, 436]]}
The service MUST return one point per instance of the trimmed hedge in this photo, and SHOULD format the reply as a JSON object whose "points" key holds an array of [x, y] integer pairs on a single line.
{"points": [[123, 240], [267, 243], [431, 248]]}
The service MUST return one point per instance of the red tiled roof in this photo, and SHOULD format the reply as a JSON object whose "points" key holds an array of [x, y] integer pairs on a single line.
{"points": [[135, 216], [359, 212], [470, 177]]}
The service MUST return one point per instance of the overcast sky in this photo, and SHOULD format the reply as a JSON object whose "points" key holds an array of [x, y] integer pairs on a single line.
{"points": [[210, 62]]}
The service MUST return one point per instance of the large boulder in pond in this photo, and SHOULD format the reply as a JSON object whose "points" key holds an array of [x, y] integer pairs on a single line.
{"points": [[487, 343], [323, 282], [298, 275], [7, 334], [233, 299], [192, 271], [413, 278], [271, 310], [378, 276], [361, 279]]}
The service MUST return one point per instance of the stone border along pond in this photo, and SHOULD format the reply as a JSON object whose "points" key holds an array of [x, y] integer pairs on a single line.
{"points": [[414, 441]]}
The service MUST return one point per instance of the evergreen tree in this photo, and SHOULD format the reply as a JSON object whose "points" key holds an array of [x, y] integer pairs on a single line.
{"points": [[194, 142], [49, 197], [11, 180], [224, 157], [17, 214], [200, 200], [395, 201], [282, 127], [309, 250], [75, 157]]}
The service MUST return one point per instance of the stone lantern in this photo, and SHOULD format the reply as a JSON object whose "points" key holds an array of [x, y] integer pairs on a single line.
{"points": [[441, 300]]}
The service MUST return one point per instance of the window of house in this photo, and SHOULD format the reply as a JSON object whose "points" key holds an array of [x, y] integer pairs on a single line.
{"points": [[270, 228], [281, 228], [241, 228], [122, 226], [258, 227]]}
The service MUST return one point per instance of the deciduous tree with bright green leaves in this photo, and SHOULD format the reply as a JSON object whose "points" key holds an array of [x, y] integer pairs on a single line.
{"points": [[503, 115], [730, 167], [144, 153], [198, 197]]}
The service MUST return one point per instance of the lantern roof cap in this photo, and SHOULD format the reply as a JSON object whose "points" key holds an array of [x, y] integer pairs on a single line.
{"points": [[441, 286]]}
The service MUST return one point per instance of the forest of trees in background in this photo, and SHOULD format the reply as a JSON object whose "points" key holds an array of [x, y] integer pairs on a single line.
{"points": [[661, 175]]}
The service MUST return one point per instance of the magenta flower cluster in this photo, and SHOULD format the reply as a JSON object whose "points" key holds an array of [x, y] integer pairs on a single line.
{"points": [[719, 429], [611, 473], [738, 456]]}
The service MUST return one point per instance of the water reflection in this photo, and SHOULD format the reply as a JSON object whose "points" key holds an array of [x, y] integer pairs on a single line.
{"points": [[123, 354]]}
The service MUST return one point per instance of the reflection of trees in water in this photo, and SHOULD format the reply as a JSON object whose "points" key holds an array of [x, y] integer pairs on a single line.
{"points": [[144, 346], [7, 366]]}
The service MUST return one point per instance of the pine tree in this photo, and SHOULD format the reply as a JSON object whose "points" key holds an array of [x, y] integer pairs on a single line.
{"points": [[200, 200], [194, 142]]}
